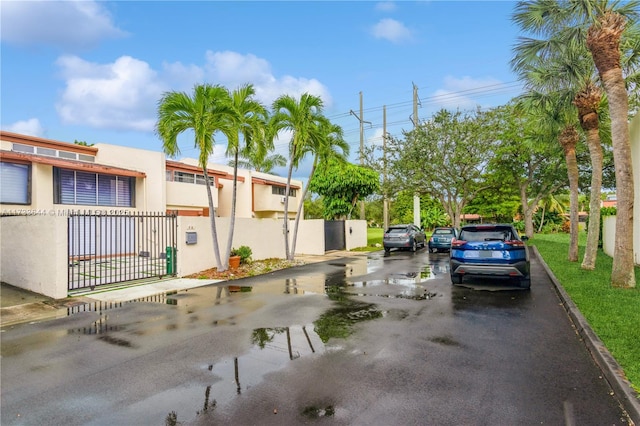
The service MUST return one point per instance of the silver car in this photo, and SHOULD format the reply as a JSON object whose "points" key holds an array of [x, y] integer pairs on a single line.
{"points": [[408, 237]]}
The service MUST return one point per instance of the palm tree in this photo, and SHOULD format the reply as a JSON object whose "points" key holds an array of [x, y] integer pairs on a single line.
{"points": [[564, 56], [247, 121], [603, 40], [556, 117], [205, 112], [261, 161], [562, 63], [326, 143], [299, 117]]}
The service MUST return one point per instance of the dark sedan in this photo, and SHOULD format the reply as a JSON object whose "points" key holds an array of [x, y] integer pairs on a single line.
{"points": [[491, 250], [441, 239], [403, 237]]}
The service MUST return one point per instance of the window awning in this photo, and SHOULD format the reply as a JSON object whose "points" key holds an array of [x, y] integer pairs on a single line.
{"points": [[68, 164], [183, 167], [272, 183]]}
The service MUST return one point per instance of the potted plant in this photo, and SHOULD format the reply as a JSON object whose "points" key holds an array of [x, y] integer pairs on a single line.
{"points": [[240, 255]]}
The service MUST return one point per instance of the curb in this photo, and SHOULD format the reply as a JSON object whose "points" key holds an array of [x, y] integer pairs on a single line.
{"points": [[612, 371]]}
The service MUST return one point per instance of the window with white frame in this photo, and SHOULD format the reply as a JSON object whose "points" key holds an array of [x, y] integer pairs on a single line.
{"points": [[92, 189], [15, 183]]}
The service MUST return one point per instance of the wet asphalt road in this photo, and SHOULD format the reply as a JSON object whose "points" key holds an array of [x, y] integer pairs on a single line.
{"points": [[383, 340]]}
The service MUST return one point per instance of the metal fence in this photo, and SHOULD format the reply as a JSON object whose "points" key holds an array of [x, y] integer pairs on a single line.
{"points": [[117, 247]]}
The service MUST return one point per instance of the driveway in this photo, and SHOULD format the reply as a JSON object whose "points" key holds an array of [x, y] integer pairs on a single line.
{"points": [[359, 340]]}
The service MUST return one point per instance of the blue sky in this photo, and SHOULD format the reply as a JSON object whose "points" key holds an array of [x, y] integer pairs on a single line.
{"points": [[94, 71]]}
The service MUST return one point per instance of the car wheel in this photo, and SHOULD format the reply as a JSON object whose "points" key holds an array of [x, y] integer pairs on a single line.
{"points": [[414, 246], [525, 283], [387, 250], [456, 279]]}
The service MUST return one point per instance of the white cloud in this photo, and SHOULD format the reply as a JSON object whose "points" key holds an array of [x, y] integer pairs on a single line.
{"points": [[232, 70], [30, 127], [124, 94], [386, 6], [119, 95], [392, 30], [65, 24], [461, 93]]}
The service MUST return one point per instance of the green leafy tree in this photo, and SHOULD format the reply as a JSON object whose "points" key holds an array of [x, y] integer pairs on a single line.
{"points": [[445, 157], [312, 207], [205, 112], [527, 164], [342, 185]]}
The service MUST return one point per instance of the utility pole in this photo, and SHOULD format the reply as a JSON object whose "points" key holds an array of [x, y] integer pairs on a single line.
{"points": [[385, 196], [416, 122], [361, 119]]}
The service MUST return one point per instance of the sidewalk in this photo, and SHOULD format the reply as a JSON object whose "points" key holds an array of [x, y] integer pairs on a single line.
{"points": [[19, 305]]}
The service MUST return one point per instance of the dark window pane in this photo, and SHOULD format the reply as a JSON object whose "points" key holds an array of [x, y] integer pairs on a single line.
{"points": [[106, 190], [67, 187], [86, 191], [14, 183]]}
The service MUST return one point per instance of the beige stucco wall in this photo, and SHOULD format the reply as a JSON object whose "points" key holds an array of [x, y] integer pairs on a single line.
{"points": [[181, 195], [263, 236], [33, 253], [609, 223], [150, 191], [310, 238], [355, 234]]}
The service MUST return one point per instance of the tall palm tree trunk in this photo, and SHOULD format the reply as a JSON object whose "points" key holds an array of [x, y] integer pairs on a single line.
{"points": [[234, 197], [587, 102], [290, 255], [212, 216], [569, 139], [603, 40], [593, 233]]}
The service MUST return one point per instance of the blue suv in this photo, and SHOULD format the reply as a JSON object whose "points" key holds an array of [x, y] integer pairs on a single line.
{"points": [[490, 250]]}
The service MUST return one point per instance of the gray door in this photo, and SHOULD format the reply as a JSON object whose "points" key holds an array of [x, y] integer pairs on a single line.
{"points": [[334, 235]]}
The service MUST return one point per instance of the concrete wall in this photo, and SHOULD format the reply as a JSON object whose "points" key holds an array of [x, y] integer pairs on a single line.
{"points": [[263, 236], [33, 253], [355, 234], [609, 223]]}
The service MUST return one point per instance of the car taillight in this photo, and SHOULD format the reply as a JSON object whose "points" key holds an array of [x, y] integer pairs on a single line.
{"points": [[457, 243], [516, 243]]}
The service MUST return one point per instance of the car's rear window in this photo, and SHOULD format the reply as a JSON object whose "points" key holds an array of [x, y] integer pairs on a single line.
{"points": [[493, 234], [443, 231], [397, 231]]}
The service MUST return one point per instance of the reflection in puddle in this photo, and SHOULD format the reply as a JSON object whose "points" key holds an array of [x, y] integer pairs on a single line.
{"points": [[272, 349]]}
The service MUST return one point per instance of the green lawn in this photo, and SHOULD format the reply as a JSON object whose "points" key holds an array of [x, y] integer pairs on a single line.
{"points": [[614, 314]]}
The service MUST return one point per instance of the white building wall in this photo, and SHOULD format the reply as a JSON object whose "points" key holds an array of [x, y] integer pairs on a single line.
{"points": [[634, 133], [609, 223]]}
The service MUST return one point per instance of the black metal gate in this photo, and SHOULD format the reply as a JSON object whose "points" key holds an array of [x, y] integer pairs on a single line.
{"points": [[113, 248], [334, 235]]}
